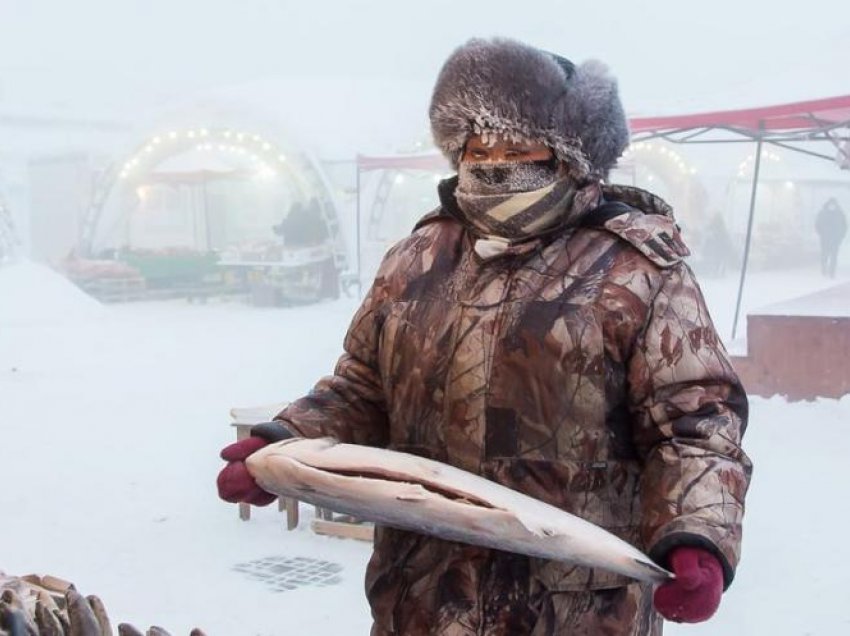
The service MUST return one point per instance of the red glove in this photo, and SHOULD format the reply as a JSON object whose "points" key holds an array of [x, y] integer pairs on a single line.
{"points": [[235, 483], [694, 595]]}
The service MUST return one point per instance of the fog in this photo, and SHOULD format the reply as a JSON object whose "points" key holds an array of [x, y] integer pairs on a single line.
{"points": [[156, 156], [99, 77], [102, 57]]}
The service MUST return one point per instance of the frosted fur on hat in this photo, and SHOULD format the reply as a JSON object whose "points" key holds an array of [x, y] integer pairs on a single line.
{"points": [[505, 87]]}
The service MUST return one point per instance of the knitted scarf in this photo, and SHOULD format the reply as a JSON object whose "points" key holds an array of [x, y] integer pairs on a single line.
{"points": [[513, 201]]}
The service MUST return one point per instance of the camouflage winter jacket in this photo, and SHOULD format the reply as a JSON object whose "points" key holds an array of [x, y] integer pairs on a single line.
{"points": [[581, 369]]}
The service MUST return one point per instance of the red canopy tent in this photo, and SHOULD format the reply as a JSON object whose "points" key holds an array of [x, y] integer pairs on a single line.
{"points": [[801, 121], [797, 126], [430, 162], [786, 126]]}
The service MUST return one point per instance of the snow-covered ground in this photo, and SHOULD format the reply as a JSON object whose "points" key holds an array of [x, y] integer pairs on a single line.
{"points": [[111, 419]]}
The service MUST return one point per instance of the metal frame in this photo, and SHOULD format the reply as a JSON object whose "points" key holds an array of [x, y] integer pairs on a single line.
{"points": [[428, 162], [797, 123], [819, 130]]}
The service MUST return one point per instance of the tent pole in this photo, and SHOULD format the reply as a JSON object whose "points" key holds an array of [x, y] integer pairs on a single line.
{"points": [[749, 236], [357, 233]]}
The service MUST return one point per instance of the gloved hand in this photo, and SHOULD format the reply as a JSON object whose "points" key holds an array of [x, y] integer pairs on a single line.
{"points": [[235, 483], [694, 595]]}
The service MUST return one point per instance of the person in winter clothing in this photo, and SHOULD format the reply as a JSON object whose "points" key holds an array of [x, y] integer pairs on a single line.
{"points": [[831, 226], [303, 225], [542, 329]]}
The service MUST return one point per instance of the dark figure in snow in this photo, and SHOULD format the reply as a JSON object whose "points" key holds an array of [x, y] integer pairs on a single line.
{"points": [[303, 225], [539, 328], [831, 226]]}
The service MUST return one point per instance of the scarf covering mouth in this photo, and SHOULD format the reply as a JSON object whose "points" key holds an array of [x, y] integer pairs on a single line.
{"points": [[513, 201]]}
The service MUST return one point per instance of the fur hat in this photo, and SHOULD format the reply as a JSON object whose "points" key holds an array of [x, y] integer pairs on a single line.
{"points": [[505, 87]]}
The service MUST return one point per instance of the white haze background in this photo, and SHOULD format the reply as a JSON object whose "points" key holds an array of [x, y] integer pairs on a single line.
{"points": [[111, 417]]}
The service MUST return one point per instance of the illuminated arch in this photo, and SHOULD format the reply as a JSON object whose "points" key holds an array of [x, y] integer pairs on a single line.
{"points": [[272, 156], [685, 191], [391, 180], [779, 198]]}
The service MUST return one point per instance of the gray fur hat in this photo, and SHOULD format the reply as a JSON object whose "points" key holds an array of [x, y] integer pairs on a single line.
{"points": [[502, 86]]}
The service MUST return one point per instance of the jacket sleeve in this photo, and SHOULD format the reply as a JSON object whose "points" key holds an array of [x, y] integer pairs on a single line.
{"points": [[690, 412], [350, 405]]}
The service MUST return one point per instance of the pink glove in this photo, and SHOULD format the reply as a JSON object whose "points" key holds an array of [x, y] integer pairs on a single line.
{"points": [[694, 595], [235, 483]]}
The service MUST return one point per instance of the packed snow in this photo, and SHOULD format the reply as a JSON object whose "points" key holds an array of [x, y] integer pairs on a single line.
{"points": [[111, 419], [33, 294]]}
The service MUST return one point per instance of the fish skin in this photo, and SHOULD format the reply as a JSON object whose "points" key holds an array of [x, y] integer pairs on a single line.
{"points": [[14, 616], [81, 615], [100, 613], [413, 493], [48, 623]]}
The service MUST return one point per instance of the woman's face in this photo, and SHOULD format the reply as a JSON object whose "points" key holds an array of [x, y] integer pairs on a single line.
{"points": [[476, 151]]}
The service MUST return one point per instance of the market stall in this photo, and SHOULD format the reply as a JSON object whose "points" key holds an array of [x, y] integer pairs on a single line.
{"points": [[817, 128], [209, 211]]}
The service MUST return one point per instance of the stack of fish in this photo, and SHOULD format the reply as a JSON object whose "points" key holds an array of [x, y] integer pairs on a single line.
{"points": [[48, 606]]}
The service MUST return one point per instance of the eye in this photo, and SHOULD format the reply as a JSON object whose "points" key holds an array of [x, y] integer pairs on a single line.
{"points": [[478, 154]]}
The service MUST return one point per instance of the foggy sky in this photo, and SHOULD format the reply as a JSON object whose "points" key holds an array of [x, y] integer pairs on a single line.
{"points": [[113, 58]]}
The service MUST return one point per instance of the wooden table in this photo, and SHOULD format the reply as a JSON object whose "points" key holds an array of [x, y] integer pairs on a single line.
{"points": [[284, 504], [243, 420], [326, 521]]}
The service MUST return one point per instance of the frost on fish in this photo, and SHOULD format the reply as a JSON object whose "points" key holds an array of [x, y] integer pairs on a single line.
{"points": [[412, 493]]}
